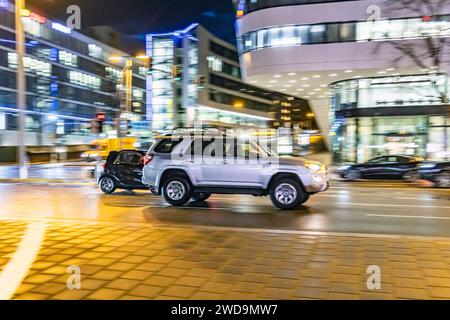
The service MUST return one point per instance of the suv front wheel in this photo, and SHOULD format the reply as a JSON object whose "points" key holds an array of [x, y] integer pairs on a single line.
{"points": [[177, 190], [287, 194]]}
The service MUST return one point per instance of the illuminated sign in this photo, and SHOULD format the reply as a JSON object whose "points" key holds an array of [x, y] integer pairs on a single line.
{"points": [[4, 4], [25, 13], [61, 28], [37, 18]]}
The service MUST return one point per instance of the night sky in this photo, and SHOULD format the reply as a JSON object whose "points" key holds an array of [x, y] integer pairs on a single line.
{"points": [[135, 18]]}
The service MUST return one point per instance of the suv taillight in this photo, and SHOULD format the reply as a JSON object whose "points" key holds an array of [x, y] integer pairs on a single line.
{"points": [[147, 159]]}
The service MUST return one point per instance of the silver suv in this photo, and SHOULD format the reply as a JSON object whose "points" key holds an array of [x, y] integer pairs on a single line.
{"points": [[194, 166]]}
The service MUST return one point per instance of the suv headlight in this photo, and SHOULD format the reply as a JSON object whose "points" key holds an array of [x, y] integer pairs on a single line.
{"points": [[313, 167], [345, 167]]}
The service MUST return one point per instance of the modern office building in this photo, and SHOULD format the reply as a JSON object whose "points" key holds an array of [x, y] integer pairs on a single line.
{"points": [[69, 79], [207, 86], [355, 62]]}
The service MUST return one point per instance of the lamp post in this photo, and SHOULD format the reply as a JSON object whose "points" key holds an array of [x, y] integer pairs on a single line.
{"points": [[127, 77], [21, 88]]}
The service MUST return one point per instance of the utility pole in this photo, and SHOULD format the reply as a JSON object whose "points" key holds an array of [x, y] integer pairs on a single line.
{"points": [[21, 88]]}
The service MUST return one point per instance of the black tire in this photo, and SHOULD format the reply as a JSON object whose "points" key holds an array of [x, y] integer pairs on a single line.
{"points": [[411, 177], [107, 185], [443, 179], [199, 197], [154, 192], [177, 190], [287, 194], [352, 175]]}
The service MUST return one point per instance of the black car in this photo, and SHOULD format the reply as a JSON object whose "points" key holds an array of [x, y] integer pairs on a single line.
{"points": [[385, 167], [122, 170], [435, 172]]}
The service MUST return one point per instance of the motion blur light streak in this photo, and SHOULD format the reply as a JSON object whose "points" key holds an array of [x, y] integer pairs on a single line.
{"points": [[19, 265]]}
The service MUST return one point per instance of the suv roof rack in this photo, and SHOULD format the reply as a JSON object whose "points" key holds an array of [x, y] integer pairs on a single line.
{"points": [[198, 130]]}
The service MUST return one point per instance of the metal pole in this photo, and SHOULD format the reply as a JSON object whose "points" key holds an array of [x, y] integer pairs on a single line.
{"points": [[21, 88], [129, 84]]}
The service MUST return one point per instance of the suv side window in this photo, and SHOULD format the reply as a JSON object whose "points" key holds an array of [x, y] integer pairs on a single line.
{"points": [[209, 147], [167, 145]]}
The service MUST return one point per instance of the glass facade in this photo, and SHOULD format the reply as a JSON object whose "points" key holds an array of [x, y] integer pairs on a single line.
{"points": [[393, 115], [215, 93], [68, 78], [247, 6], [296, 35]]}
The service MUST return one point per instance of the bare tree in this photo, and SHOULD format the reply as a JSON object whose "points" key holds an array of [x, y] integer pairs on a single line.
{"points": [[429, 50]]}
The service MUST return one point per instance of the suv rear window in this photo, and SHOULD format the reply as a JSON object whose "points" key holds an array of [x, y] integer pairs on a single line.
{"points": [[167, 145]]}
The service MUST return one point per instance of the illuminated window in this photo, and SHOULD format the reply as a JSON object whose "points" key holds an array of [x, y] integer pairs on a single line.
{"points": [[95, 51], [67, 58], [36, 66], [85, 80]]}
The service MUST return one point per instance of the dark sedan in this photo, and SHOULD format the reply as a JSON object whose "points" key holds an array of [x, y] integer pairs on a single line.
{"points": [[385, 167], [436, 172], [122, 170]]}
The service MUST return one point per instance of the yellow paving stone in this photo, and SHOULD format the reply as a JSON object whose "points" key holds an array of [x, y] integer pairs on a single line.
{"points": [[71, 295], [49, 288], [107, 275], [32, 296], [106, 294], [412, 293], [136, 275], [122, 284]]}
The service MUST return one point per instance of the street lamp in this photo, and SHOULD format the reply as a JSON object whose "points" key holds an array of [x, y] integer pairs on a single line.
{"points": [[127, 75], [21, 88]]}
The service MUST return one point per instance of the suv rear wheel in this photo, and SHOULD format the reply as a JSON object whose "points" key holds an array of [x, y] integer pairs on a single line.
{"points": [[177, 190], [287, 194]]}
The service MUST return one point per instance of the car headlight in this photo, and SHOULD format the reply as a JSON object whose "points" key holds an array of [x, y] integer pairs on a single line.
{"points": [[313, 167], [343, 168], [427, 166]]}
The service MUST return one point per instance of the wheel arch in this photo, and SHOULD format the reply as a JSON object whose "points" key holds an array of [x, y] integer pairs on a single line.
{"points": [[173, 171], [285, 175]]}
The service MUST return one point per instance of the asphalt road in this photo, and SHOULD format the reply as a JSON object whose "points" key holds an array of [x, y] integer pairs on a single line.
{"points": [[59, 171], [379, 207]]}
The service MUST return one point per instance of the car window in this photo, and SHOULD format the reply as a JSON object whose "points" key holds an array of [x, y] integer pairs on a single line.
{"points": [[167, 145], [392, 159], [378, 160], [130, 157], [404, 159]]}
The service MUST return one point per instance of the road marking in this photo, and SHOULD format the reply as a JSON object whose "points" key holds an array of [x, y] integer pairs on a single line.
{"points": [[17, 268], [233, 229], [407, 217], [389, 205]]}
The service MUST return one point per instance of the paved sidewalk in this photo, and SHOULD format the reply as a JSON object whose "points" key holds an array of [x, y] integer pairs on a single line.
{"points": [[135, 261]]}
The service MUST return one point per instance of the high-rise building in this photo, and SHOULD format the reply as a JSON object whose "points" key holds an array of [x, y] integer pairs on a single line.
{"points": [[196, 77], [375, 72], [69, 77]]}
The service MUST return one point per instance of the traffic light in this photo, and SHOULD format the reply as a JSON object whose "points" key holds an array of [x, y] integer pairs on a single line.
{"points": [[96, 126], [97, 123], [176, 72], [201, 82], [101, 117]]}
